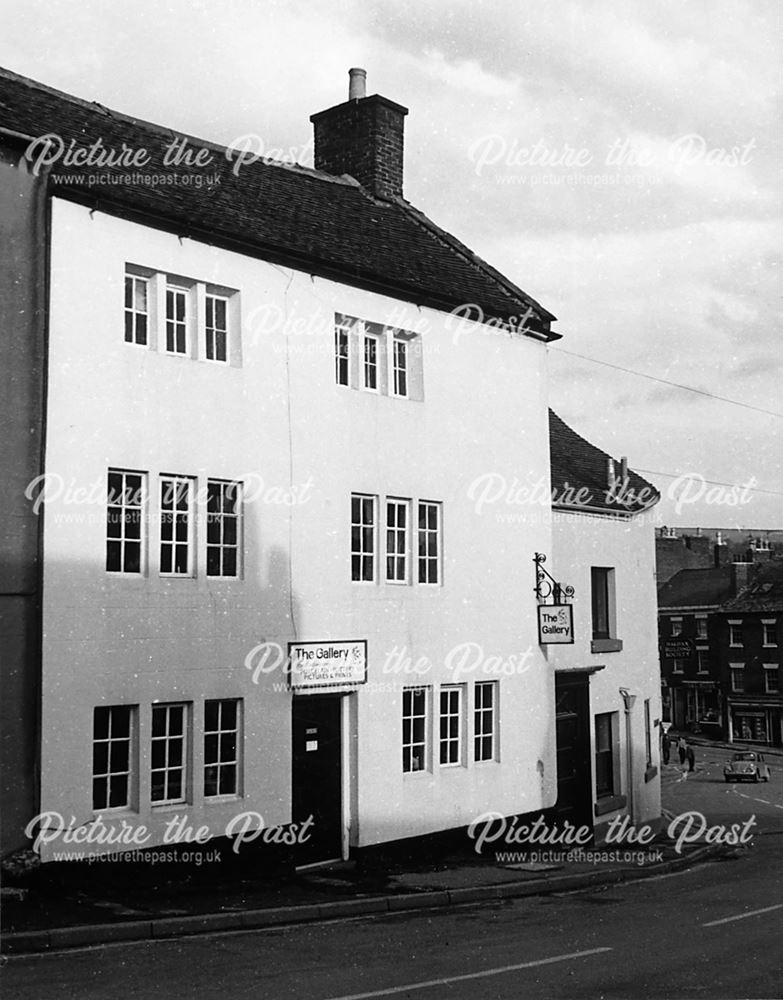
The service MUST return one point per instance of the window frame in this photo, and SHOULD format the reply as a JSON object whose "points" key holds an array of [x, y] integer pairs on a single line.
{"points": [[411, 716], [213, 297], [184, 767], [606, 776], [174, 543], [342, 336], [237, 761], [172, 322], [399, 372], [223, 515], [480, 714], [735, 628], [771, 673], [424, 533], [676, 627], [398, 533], [133, 314], [737, 673], [367, 337], [701, 627], [769, 628], [122, 507], [131, 773], [602, 588], [362, 527], [451, 712]]}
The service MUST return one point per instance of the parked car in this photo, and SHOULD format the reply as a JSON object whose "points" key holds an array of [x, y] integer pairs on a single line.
{"points": [[748, 765]]}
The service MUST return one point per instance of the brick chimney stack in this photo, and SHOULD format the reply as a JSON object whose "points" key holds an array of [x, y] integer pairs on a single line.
{"points": [[363, 138], [740, 576]]}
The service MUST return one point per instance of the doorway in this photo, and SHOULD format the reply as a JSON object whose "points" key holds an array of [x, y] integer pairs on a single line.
{"points": [[572, 727], [317, 776]]}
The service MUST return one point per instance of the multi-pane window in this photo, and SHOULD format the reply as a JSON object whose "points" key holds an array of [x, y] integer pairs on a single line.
{"points": [[136, 309], [702, 661], [678, 666], [701, 628], [735, 634], [370, 362], [676, 627], [770, 635], [111, 757], [429, 542], [601, 580], [397, 541], [223, 528], [176, 320], [771, 683], [484, 720], [605, 725], [414, 729], [362, 537], [124, 521], [399, 366], [169, 753], [221, 747], [216, 327], [176, 522], [737, 677], [342, 355], [450, 725]]}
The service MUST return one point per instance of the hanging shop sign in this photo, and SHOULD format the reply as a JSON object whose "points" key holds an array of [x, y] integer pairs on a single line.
{"points": [[555, 623], [327, 664]]}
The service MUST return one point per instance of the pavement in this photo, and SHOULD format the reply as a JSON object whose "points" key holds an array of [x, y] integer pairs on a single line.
{"points": [[46, 920]]}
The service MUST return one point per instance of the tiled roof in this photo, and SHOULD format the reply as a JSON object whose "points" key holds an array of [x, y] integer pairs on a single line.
{"points": [[696, 588], [285, 213], [763, 593], [579, 475]]}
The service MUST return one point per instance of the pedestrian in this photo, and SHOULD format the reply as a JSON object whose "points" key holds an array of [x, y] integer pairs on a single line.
{"points": [[682, 748], [691, 758], [666, 746]]}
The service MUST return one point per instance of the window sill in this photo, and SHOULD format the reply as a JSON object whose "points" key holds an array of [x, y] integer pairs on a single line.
{"points": [[650, 773], [611, 803], [606, 645]]}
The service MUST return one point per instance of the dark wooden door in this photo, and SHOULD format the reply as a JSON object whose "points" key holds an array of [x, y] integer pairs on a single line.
{"points": [[317, 776], [574, 770]]}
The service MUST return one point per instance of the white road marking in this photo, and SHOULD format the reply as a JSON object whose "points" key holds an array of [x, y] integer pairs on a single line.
{"points": [[471, 975], [741, 916]]}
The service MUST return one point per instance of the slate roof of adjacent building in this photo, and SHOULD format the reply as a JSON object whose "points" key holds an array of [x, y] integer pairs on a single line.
{"points": [[696, 588], [580, 479], [280, 212], [763, 593]]}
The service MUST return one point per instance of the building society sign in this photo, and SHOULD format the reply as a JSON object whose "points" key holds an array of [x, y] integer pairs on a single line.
{"points": [[327, 664], [555, 623]]}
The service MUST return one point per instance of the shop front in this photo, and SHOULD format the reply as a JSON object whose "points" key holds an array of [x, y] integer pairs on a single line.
{"points": [[756, 722]]}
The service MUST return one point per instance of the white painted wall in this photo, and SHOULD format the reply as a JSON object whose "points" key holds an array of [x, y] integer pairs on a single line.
{"points": [[115, 639], [579, 542]]}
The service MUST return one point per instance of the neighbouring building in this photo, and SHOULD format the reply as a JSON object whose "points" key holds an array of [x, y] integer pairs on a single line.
{"points": [[698, 548], [249, 586], [608, 694], [750, 639]]}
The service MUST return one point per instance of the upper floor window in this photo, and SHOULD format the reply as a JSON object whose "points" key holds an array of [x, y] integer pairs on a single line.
{"points": [[701, 628], [223, 527], [181, 316], [678, 666], [429, 542], [397, 518], [769, 632], [125, 521], [735, 634], [136, 309], [702, 661], [362, 537], [377, 358], [771, 682], [602, 595], [216, 327], [737, 674], [176, 525], [676, 627]]}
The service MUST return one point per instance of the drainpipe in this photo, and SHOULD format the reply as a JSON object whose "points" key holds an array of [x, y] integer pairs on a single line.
{"points": [[628, 703]]}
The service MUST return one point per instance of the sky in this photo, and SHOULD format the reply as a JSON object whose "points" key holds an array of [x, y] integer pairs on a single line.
{"points": [[620, 162]]}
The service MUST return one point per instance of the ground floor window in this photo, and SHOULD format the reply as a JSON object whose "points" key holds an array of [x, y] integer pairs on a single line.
{"points": [[605, 741], [169, 753], [484, 720], [112, 756], [751, 726], [451, 725], [414, 729], [221, 747]]}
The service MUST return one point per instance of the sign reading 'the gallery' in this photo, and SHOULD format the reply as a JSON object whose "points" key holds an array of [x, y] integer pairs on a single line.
{"points": [[327, 664], [555, 623]]}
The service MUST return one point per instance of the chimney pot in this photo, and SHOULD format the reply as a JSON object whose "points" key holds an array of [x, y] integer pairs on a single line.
{"points": [[357, 85]]}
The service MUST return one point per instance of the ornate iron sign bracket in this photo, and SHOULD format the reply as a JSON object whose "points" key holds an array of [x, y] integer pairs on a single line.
{"points": [[547, 586]]}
